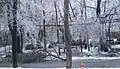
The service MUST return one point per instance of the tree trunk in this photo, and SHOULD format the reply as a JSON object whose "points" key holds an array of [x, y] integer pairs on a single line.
{"points": [[98, 11], [14, 34], [18, 44], [56, 21], [13, 30], [98, 8], [44, 29], [109, 30], [88, 43], [21, 39], [67, 35]]}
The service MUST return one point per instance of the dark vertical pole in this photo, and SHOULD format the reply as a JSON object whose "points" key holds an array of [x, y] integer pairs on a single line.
{"points": [[98, 8], [14, 34], [109, 30], [80, 43], [67, 35], [56, 21], [88, 43], [21, 38], [98, 11], [44, 29]]}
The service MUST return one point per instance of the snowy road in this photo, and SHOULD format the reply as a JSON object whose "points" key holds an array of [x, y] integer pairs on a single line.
{"points": [[115, 63]]}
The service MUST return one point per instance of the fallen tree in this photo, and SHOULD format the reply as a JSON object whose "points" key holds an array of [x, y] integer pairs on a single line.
{"points": [[49, 54]]}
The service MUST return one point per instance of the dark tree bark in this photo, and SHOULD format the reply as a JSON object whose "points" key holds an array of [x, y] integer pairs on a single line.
{"points": [[109, 30], [56, 21], [18, 44], [67, 35], [98, 8], [44, 29], [21, 40], [13, 30], [14, 34], [81, 46]]}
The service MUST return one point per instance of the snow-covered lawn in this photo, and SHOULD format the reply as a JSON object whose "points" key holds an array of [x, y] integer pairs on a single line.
{"points": [[98, 58]]}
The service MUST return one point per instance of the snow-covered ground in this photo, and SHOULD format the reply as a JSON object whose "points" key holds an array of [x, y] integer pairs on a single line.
{"points": [[116, 46], [97, 58], [60, 68]]}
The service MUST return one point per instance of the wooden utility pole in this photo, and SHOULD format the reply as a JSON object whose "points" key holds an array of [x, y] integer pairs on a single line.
{"points": [[67, 35]]}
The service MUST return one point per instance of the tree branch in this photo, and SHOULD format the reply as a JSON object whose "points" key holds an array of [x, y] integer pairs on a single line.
{"points": [[49, 54]]}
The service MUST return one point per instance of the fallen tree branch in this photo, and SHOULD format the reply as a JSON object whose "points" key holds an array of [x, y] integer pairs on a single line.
{"points": [[49, 54]]}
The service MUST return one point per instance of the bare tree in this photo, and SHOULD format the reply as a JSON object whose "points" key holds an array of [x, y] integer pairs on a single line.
{"points": [[12, 24], [56, 12], [13, 29], [67, 35], [14, 34], [98, 11]]}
